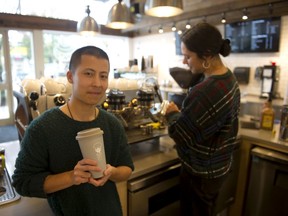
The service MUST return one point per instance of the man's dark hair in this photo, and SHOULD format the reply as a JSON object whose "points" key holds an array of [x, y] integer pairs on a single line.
{"points": [[87, 50]]}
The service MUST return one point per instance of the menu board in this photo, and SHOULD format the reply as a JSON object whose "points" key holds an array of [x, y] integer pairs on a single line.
{"points": [[261, 35]]}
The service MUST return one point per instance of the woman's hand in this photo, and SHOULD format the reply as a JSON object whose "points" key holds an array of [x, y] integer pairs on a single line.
{"points": [[172, 107]]}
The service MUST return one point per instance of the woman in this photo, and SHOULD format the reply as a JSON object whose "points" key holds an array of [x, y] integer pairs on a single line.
{"points": [[205, 129], [50, 164]]}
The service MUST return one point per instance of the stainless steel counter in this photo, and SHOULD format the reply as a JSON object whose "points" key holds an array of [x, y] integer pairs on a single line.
{"points": [[251, 138], [147, 158], [24, 206], [265, 138]]}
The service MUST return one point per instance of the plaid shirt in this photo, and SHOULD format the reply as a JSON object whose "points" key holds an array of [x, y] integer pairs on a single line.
{"points": [[205, 130]]}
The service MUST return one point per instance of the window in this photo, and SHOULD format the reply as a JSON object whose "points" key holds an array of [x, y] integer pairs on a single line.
{"points": [[21, 55]]}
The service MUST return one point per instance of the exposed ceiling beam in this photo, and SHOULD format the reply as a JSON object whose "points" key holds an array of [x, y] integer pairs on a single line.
{"points": [[194, 11], [36, 22], [44, 23]]}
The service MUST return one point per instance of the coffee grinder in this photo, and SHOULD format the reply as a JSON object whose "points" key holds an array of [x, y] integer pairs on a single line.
{"points": [[270, 81]]}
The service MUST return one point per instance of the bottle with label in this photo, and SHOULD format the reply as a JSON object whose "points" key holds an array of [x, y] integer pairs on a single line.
{"points": [[267, 115]]}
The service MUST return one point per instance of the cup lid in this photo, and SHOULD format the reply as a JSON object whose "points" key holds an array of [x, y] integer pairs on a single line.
{"points": [[89, 132]]}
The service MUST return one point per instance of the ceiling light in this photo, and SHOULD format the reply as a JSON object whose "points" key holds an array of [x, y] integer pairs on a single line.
{"points": [[163, 8], [119, 16], [149, 31], [223, 20], [188, 25], [179, 32], [88, 26], [160, 30], [174, 28], [204, 19], [244, 16]]}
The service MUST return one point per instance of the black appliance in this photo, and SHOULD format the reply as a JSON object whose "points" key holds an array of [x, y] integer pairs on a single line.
{"points": [[158, 193], [185, 79], [242, 74], [270, 81], [268, 184]]}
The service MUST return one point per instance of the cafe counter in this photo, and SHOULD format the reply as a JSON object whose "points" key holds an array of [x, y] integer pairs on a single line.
{"points": [[154, 158]]}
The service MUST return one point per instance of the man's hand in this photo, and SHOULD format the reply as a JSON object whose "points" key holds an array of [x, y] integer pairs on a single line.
{"points": [[106, 175], [81, 173]]}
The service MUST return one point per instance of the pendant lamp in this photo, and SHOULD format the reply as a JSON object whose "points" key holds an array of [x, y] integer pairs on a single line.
{"points": [[119, 16], [163, 8], [88, 25]]}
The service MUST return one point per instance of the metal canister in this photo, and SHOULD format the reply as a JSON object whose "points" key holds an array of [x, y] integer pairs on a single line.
{"points": [[283, 133], [116, 99]]}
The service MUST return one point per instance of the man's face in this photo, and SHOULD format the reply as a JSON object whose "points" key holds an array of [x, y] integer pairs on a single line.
{"points": [[90, 80]]}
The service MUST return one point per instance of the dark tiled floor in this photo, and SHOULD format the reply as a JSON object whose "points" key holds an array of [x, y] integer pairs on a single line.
{"points": [[8, 133]]}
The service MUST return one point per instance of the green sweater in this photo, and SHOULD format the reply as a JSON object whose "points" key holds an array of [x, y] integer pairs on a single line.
{"points": [[49, 147]]}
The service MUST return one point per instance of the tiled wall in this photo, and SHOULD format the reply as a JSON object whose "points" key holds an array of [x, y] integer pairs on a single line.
{"points": [[162, 47]]}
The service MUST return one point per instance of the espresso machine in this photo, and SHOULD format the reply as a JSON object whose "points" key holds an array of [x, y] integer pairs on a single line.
{"points": [[34, 97], [136, 113], [270, 81]]}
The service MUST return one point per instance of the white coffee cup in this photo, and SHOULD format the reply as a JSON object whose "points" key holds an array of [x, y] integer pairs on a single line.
{"points": [[92, 147]]}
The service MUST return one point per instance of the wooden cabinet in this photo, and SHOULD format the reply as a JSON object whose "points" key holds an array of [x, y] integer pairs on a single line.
{"points": [[122, 190]]}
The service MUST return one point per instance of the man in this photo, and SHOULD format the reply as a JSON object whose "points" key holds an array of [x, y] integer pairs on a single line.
{"points": [[50, 164]]}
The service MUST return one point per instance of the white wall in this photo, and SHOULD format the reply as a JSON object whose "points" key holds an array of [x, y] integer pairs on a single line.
{"points": [[162, 47]]}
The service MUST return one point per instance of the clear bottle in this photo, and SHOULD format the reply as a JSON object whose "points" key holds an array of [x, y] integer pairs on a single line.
{"points": [[267, 115]]}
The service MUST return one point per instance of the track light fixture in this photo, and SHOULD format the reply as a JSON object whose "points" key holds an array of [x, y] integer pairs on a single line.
{"points": [[204, 19], [149, 30], [223, 15], [245, 16], [270, 9], [188, 25], [174, 28], [223, 20]]}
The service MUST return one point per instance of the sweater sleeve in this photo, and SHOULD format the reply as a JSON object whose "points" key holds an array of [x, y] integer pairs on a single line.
{"points": [[197, 122], [31, 166]]}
